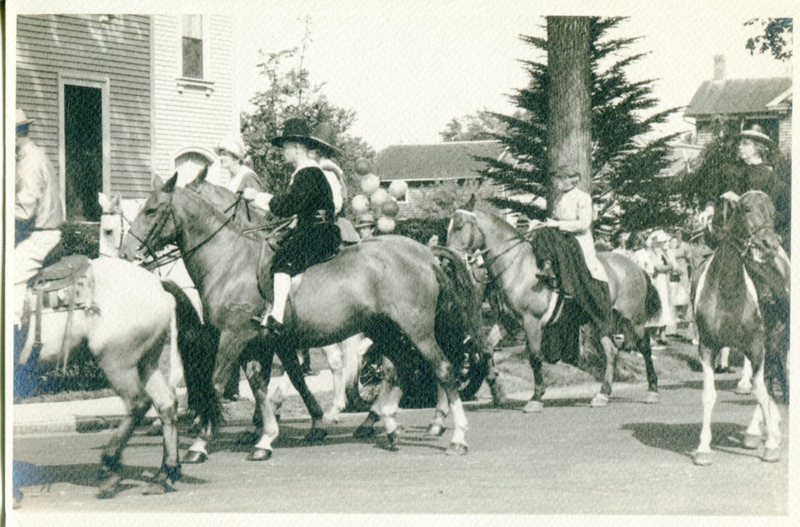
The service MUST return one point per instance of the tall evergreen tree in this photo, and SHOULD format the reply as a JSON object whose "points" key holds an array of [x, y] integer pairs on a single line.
{"points": [[624, 165]]}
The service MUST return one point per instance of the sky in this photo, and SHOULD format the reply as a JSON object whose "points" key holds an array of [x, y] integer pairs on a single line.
{"points": [[407, 68]]}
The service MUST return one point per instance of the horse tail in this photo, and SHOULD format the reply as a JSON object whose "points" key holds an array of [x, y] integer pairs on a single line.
{"points": [[458, 312], [652, 302], [197, 347]]}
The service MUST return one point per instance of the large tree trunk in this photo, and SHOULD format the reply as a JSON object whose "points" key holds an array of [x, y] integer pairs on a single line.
{"points": [[569, 104]]}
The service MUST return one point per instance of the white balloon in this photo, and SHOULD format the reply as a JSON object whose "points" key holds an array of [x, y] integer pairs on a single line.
{"points": [[359, 203], [398, 189], [370, 183], [378, 198], [386, 224]]}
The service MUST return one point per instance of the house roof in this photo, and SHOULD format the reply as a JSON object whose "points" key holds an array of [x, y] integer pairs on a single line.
{"points": [[736, 96], [434, 162]]}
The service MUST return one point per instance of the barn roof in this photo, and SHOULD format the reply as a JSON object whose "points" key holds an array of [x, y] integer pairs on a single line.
{"points": [[436, 161], [737, 96]]}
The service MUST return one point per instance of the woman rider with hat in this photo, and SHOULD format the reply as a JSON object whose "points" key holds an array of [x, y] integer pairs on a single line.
{"points": [[309, 197], [231, 154]]}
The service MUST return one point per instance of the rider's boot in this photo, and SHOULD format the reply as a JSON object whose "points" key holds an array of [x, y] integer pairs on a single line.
{"points": [[273, 322]]}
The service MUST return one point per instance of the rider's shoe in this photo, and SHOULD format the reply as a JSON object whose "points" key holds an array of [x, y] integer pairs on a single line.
{"points": [[274, 327]]}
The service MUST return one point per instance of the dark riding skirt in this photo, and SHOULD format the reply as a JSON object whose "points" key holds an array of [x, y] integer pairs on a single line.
{"points": [[306, 245], [569, 264]]}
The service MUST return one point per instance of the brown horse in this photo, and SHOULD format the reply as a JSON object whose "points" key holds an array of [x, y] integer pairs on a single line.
{"points": [[728, 313], [511, 267], [392, 289]]}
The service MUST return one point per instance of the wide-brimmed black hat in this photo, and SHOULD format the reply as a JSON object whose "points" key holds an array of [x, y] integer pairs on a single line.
{"points": [[299, 131], [325, 135], [756, 133]]}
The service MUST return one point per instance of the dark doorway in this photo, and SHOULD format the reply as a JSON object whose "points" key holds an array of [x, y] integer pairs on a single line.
{"points": [[83, 144]]}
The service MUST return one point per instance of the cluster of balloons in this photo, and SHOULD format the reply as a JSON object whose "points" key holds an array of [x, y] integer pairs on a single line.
{"points": [[381, 201]]}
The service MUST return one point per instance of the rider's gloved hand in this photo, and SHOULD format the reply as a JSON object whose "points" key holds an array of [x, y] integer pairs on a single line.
{"points": [[731, 196], [706, 216]]}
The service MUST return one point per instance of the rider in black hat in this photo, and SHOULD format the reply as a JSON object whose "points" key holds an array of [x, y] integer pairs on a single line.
{"points": [[315, 238]]}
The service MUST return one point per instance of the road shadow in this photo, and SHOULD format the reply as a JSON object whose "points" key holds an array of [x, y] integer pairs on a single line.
{"points": [[85, 475], [683, 438], [721, 384]]}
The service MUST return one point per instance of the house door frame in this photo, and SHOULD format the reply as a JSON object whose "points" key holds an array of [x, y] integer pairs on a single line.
{"points": [[86, 80]]}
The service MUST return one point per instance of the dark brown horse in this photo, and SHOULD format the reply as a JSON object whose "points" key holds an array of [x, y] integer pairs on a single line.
{"points": [[392, 289], [728, 313], [511, 266]]}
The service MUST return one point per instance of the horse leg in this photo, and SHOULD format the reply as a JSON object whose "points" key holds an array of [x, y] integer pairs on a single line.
{"points": [[437, 427], [492, 375], [745, 384], [703, 454], [366, 429], [126, 383], [533, 333], [772, 418], [389, 398], [279, 394], [229, 349], [166, 406], [611, 352], [643, 344], [258, 377], [334, 354], [753, 436], [291, 364]]}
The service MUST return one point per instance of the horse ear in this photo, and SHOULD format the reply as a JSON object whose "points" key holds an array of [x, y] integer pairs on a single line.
{"points": [[471, 203], [116, 202], [169, 185]]}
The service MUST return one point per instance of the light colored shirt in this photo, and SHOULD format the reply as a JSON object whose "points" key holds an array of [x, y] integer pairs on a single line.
{"points": [[38, 190], [574, 214], [332, 174]]}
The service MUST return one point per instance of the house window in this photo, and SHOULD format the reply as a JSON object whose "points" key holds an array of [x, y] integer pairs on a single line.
{"points": [[192, 41]]}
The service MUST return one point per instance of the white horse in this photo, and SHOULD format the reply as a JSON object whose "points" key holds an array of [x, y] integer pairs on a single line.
{"points": [[125, 319]]}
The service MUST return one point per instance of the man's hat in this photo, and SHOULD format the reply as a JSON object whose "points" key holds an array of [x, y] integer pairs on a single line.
{"points": [[325, 136], [299, 131], [757, 133], [22, 118], [232, 145]]}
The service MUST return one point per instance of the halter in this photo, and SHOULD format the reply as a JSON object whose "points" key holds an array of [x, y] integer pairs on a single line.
{"points": [[122, 221]]}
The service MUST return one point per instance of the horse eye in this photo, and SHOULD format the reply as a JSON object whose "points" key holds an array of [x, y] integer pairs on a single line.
{"points": [[109, 232], [151, 211]]}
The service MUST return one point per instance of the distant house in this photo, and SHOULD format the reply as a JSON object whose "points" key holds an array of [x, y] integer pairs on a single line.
{"points": [[764, 101], [425, 165], [118, 98]]}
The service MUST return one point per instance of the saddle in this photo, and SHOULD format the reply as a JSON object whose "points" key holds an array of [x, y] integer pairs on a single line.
{"points": [[64, 286]]}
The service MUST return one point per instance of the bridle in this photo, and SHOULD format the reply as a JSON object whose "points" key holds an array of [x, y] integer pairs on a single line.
{"points": [[122, 221], [476, 258], [167, 212]]}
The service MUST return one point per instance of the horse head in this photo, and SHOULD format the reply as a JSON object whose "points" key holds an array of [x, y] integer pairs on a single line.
{"points": [[753, 222], [111, 224], [155, 226], [463, 233]]}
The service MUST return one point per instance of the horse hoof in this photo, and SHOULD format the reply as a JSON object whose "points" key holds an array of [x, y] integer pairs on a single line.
{"points": [[599, 401], [533, 407], [435, 431], [193, 457], [110, 488], [316, 435], [771, 455], [364, 432], [394, 439], [703, 459], [743, 390], [260, 454], [652, 398], [456, 449], [751, 441]]}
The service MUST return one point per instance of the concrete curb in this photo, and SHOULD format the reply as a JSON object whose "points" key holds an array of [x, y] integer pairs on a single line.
{"points": [[95, 415]]}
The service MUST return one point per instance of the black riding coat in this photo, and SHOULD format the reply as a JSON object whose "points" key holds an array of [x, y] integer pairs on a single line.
{"points": [[315, 238]]}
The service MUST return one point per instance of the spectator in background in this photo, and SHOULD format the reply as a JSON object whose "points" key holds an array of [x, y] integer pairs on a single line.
{"points": [[661, 272], [678, 257]]}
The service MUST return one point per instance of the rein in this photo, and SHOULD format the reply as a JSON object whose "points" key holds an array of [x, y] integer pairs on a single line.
{"points": [[471, 257], [176, 254]]}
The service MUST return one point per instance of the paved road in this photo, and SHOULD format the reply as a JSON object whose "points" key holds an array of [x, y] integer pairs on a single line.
{"points": [[629, 458]]}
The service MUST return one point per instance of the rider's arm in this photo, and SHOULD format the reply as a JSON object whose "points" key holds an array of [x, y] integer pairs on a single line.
{"points": [[30, 187]]}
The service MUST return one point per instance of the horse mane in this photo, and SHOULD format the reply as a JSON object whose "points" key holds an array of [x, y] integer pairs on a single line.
{"points": [[216, 215]]}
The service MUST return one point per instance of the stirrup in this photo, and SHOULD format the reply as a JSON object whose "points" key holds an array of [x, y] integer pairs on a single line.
{"points": [[261, 320]]}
